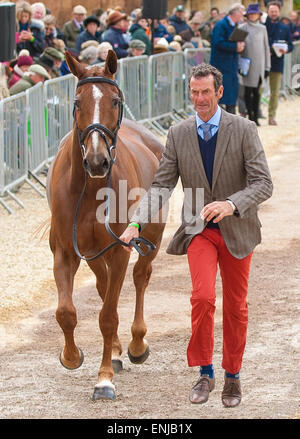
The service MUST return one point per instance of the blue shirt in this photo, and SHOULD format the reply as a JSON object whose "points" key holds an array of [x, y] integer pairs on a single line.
{"points": [[214, 121]]}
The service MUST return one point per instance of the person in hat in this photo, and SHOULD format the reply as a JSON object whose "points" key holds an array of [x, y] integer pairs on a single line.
{"points": [[136, 48], [24, 61], [71, 29], [258, 51], [161, 45], [51, 59], [51, 32], [91, 24], [89, 51], [36, 73], [117, 26], [178, 19], [138, 32]]}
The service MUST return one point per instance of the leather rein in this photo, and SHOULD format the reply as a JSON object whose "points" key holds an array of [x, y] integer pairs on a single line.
{"points": [[104, 132]]}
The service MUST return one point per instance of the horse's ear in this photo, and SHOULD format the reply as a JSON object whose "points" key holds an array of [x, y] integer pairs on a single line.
{"points": [[111, 63], [75, 67]]}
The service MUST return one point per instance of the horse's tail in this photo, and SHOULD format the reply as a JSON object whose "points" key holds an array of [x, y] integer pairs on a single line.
{"points": [[42, 230]]}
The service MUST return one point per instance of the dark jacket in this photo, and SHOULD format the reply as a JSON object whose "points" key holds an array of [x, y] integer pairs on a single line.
{"points": [[83, 37], [35, 47], [278, 31], [224, 57], [161, 32], [138, 33], [116, 38], [179, 24]]}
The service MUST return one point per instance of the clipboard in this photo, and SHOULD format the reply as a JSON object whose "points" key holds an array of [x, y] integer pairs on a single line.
{"points": [[238, 35]]}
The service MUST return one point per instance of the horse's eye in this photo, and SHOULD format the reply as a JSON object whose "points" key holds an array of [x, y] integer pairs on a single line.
{"points": [[115, 102], [77, 103]]}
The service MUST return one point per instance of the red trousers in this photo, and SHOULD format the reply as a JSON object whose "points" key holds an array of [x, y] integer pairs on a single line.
{"points": [[204, 253]]}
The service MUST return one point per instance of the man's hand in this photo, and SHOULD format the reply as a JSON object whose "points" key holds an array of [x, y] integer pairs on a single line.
{"points": [[218, 209], [129, 233], [240, 46]]}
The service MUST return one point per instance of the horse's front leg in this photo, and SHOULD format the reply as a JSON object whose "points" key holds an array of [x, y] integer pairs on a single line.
{"points": [[138, 349], [65, 267], [98, 266], [108, 322]]}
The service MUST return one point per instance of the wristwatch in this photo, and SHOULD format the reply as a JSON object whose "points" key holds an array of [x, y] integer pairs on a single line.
{"points": [[234, 208]]}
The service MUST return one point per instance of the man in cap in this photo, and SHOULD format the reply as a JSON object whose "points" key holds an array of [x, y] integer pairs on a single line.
{"points": [[117, 23], [178, 20], [35, 74], [193, 32], [136, 48], [91, 24], [51, 59], [74, 27]]}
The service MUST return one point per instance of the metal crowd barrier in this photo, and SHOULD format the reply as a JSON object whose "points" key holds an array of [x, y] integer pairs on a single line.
{"points": [[156, 87]]}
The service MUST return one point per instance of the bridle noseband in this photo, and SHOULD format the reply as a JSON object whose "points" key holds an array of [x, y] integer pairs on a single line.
{"points": [[103, 131]]}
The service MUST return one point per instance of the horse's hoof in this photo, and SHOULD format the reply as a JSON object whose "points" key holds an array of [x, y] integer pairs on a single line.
{"points": [[117, 366], [72, 368], [105, 392], [141, 358]]}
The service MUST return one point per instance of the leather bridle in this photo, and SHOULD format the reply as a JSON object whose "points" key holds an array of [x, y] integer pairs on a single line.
{"points": [[104, 132]]}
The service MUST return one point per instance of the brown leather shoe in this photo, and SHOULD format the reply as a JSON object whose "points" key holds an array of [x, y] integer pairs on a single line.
{"points": [[200, 392], [272, 121], [231, 394]]}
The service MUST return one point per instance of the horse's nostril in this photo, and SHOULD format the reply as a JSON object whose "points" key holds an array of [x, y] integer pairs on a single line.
{"points": [[105, 164]]}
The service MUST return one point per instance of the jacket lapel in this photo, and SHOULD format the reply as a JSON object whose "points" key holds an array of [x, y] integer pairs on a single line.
{"points": [[194, 142], [224, 134]]}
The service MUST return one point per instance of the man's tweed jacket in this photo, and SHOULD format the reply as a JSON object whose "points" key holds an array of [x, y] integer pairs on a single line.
{"points": [[240, 173]]}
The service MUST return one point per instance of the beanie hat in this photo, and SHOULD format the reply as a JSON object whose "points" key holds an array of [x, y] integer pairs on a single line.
{"points": [[24, 61]]}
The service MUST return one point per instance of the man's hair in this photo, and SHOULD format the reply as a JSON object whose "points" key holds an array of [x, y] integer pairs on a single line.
{"points": [[214, 8], [274, 3], [236, 7], [203, 70]]}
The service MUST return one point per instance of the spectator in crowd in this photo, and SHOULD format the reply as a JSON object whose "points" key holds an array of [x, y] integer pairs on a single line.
{"points": [[277, 31], [24, 61], [91, 24], [89, 52], [138, 32], [204, 27], [175, 46], [178, 20], [214, 14], [38, 12], [161, 45], [136, 48], [296, 34], [51, 59], [51, 33], [258, 51], [193, 33], [225, 55], [4, 92], [74, 27], [30, 34], [160, 31], [36, 73], [102, 52], [117, 26]]}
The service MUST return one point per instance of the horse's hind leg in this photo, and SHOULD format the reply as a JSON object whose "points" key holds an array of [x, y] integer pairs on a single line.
{"points": [[138, 349], [65, 267], [98, 266]]}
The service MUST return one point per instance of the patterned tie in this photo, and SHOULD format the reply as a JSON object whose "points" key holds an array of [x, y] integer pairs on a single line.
{"points": [[206, 130]]}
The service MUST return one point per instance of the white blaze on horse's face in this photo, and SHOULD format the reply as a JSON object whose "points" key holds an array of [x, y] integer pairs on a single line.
{"points": [[97, 94]]}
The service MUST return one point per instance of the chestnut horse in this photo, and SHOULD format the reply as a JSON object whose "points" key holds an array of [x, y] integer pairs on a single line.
{"points": [[93, 151]]}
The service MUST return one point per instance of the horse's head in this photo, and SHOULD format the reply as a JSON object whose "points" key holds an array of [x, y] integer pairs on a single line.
{"points": [[97, 112]]}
